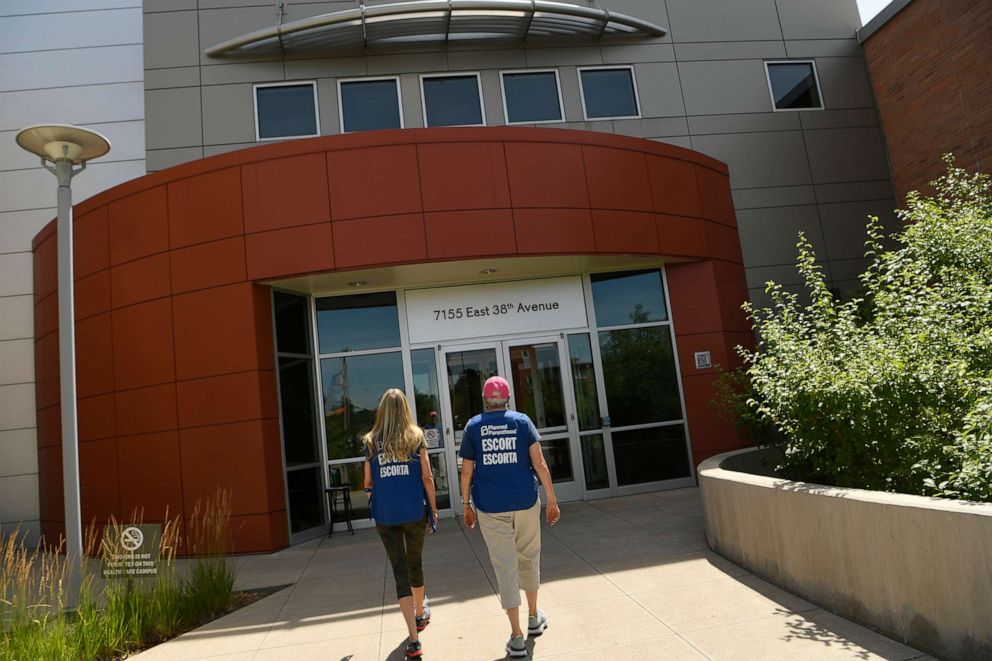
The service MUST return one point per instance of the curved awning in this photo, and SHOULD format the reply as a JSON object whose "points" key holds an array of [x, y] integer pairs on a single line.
{"points": [[437, 21]]}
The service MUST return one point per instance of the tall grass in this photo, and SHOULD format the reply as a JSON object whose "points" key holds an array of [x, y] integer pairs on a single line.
{"points": [[126, 614], [211, 580]]}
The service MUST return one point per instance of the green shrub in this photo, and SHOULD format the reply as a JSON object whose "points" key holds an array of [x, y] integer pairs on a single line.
{"points": [[891, 390]]}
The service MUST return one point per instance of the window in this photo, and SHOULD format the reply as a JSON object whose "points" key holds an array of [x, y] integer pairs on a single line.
{"points": [[358, 322], [452, 100], [640, 380], [426, 392], [298, 410], [369, 104], [650, 454], [639, 374], [608, 93], [305, 495], [286, 111], [292, 315], [793, 85], [635, 297], [299, 431], [597, 472], [352, 387], [584, 381], [531, 97]]}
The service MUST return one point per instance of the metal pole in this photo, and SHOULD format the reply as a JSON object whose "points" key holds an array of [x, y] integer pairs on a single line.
{"points": [[67, 378]]}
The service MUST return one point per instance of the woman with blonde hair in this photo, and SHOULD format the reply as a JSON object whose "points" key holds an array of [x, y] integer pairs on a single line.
{"points": [[397, 476]]}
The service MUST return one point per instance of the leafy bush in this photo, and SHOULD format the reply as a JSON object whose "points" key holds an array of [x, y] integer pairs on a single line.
{"points": [[891, 390]]}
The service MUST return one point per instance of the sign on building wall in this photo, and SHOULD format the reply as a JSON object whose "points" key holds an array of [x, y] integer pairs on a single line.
{"points": [[470, 311]]}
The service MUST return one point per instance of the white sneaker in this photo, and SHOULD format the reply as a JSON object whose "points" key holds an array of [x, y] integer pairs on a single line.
{"points": [[536, 624], [516, 647]]}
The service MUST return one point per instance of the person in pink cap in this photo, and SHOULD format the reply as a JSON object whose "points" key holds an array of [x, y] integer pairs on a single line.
{"points": [[502, 463]]}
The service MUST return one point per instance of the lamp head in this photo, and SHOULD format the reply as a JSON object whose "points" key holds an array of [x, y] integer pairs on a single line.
{"points": [[63, 142]]}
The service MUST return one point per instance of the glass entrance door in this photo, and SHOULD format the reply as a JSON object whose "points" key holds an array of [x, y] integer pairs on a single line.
{"points": [[540, 389]]}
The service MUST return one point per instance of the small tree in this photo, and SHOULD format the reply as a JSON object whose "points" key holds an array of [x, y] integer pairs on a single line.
{"points": [[891, 390]]}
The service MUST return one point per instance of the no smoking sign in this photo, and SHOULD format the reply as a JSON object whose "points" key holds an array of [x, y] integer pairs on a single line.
{"points": [[131, 550]]}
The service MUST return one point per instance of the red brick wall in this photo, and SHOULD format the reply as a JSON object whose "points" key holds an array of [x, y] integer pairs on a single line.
{"points": [[175, 365], [931, 67]]}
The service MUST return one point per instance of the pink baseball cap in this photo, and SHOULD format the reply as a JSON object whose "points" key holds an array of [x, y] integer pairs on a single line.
{"points": [[496, 388]]}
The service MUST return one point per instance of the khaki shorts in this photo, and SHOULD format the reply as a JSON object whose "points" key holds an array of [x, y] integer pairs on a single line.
{"points": [[514, 543]]}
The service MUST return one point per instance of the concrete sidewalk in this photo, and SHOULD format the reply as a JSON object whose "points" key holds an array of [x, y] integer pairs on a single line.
{"points": [[626, 578]]}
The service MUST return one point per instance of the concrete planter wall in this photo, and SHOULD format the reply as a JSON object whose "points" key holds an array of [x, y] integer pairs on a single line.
{"points": [[918, 569]]}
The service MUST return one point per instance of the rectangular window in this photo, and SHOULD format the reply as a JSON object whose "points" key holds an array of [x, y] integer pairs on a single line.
{"points": [[559, 459], [793, 85], [639, 374], [454, 100], [300, 434], [292, 323], [357, 322], [426, 392], [594, 462], [650, 455], [299, 431], [370, 104], [634, 297], [536, 376], [286, 111], [352, 387], [306, 496], [351, 474], [584, 381], [531, 97], [609, 93], [441, 491]]}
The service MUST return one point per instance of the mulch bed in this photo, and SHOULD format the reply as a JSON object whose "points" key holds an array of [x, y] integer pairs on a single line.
{"points": [[239, 600]]}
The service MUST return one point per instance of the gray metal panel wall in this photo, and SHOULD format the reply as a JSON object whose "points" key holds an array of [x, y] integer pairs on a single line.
{"points": [[702, 86], [61, 61]]}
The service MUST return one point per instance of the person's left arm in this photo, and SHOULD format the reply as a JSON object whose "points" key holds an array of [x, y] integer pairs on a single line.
{"points": [[544, 475], [468, 467]]}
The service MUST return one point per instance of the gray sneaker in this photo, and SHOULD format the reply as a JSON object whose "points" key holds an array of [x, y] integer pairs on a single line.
{"points": [[516, 647], [536, 624]]}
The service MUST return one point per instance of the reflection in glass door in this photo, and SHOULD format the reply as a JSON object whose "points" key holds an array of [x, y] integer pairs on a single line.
{"points": [[539, 389], [426, 398], [535, 375], [467, 370]]}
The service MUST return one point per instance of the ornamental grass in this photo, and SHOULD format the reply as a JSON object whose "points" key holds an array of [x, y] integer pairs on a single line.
{"points": [[42, 616]]}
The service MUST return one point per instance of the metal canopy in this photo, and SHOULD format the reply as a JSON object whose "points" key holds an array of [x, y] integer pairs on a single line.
{"points": [[437, 21]]}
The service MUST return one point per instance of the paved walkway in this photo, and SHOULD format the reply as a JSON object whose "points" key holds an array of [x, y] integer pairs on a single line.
{"points": [[627, 578]]}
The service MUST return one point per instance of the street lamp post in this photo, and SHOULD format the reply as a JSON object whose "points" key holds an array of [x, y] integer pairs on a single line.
{"points": [[65, 146]]}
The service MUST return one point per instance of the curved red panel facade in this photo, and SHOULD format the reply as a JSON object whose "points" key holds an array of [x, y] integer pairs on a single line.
{"points": [[175, 366]]}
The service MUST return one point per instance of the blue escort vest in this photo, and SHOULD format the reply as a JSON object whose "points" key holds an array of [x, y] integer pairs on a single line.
{"points": [[499, 444], [397, 490]]}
